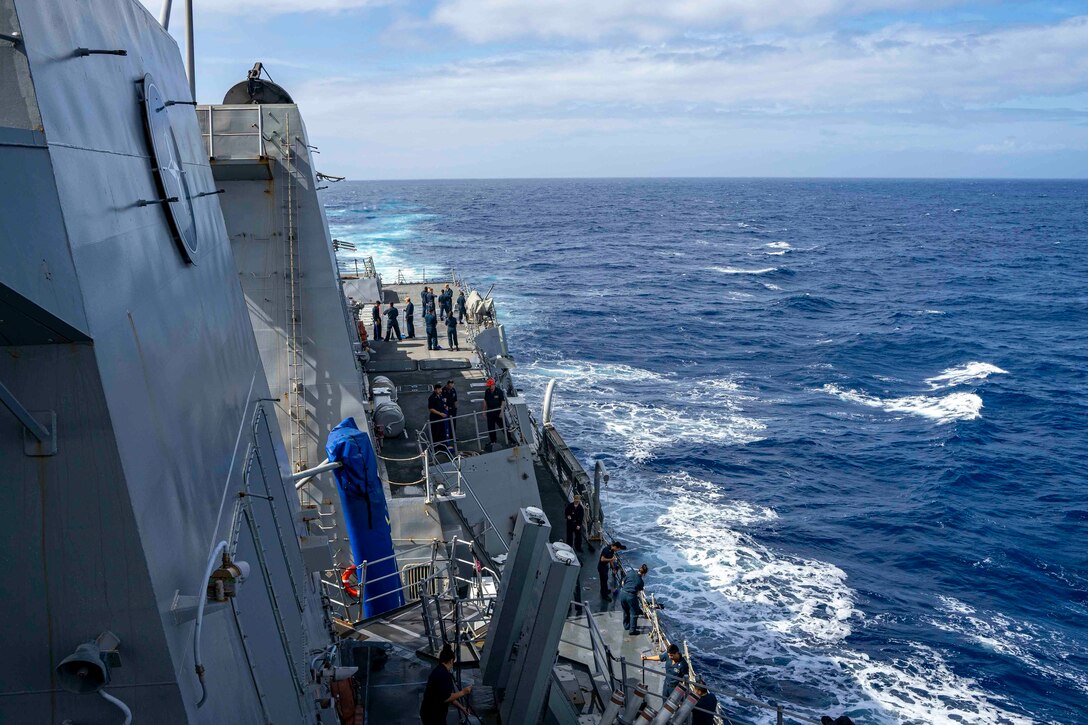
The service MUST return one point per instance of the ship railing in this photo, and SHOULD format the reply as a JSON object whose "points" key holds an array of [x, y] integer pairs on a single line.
{"points": [[357, 267], [474, 424], [456, 487], [351, 608], [233, 132], [456, 608], [618, 673], [558, 458]]}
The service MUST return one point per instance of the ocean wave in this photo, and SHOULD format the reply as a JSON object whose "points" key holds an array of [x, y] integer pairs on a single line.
{"points": [[737, 270], [1026, 642], [807, 303], [647, 429], [943, 409], [608, 398], [971, 372], [591, 374], [778, 245], [779, 618]]}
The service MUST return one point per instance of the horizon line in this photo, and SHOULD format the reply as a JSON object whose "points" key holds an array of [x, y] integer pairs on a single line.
{"points": [[726, 178]]}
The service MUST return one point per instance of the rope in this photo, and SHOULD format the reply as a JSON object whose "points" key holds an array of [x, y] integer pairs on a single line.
{"points": [[401, 460], [411, 483]]}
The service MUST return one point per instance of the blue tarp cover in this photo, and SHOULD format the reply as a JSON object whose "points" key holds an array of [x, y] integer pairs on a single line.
{"points": [[366, 515]]}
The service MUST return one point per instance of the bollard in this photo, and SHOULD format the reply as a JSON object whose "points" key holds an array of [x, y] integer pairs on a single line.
{"points": [[612, 709]]}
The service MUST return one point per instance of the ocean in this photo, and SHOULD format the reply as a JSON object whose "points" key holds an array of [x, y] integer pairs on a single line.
{"points": [[846, 421]]}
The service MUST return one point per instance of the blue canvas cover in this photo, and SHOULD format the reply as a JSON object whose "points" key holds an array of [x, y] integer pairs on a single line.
{"points": [[366, 515]]}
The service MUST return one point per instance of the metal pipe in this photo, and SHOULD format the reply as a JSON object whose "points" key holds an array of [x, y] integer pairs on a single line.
{"points": [[120, 705], [190, 52], [164, 14], [203, 597], [546, 412], [303, 477]]}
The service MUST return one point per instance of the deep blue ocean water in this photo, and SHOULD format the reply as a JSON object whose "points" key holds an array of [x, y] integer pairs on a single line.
{"points": [[846, 421]]}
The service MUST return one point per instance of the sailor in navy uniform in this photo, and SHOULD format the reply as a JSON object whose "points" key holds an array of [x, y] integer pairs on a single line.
{"points": [[409, 319]]}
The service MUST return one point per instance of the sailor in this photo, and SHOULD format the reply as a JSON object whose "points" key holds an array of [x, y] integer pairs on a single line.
{"points": [[494, 402], [441, 691], [676, 668], [409, 319], [392, 328], [707, 706], [608, 560], [451, 332], [437, 413], [629, 598], [431, 324], [449, 394], [447, 301], [575, 514], [376, 316], [462, 310]]}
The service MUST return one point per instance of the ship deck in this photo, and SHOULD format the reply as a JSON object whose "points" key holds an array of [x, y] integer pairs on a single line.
{"points": [[394, 691]]}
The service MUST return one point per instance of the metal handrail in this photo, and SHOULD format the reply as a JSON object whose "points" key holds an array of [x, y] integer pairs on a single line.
{"points": [[513, 432]]}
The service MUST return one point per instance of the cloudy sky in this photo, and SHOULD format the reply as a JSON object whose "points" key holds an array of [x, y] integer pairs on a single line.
{"points": [[545, 88]]}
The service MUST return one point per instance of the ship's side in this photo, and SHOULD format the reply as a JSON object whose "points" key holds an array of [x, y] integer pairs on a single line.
{"points": [[131, 345]]}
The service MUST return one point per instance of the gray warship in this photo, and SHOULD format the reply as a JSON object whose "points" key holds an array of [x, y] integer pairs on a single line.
{"points": [[179, 346]]}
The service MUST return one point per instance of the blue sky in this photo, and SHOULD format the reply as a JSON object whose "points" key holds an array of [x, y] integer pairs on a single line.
{"points": [[555, 88]]}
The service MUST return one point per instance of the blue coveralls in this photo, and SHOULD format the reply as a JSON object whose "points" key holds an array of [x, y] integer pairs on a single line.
{"points": [[409, 319], [432, 331], [629, 601], [451, 331]]}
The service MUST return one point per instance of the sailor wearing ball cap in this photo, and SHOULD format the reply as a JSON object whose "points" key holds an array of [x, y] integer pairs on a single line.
{"points": [[608, 561], [494, 402]]}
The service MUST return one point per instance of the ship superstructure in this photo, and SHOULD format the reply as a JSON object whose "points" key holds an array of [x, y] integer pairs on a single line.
{"points": [[183, 364]]}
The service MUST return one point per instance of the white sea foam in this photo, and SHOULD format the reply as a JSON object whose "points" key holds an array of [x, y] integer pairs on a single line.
{"points": [[768, 616], [971, 372], [609, 397], [779, 618], [737, 270], [778, 245], [943, 409]]}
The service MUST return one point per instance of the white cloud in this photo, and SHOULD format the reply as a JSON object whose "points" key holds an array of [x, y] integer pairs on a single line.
{"points": [[258, 7], [653, 20], [894, 69]]}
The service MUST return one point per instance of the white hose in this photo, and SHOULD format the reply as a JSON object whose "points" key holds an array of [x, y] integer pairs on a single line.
{"points": [[120, 705], [203, 598]]}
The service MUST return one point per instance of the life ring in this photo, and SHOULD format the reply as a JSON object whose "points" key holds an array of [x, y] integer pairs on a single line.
{"points": [[351, 589]]}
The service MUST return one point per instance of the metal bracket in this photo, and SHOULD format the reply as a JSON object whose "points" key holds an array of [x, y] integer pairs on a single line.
{"points": [[149, 202], [84, 52], [38, 439], [14, 38], [41, 447], [208, 193], [184, 607]]}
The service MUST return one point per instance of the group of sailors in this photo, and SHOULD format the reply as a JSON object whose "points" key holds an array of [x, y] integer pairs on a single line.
{"points": [[442, 412], [436, 308]]}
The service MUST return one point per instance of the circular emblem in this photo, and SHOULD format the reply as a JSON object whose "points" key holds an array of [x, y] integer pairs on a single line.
{"points": [[169, 171]]}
